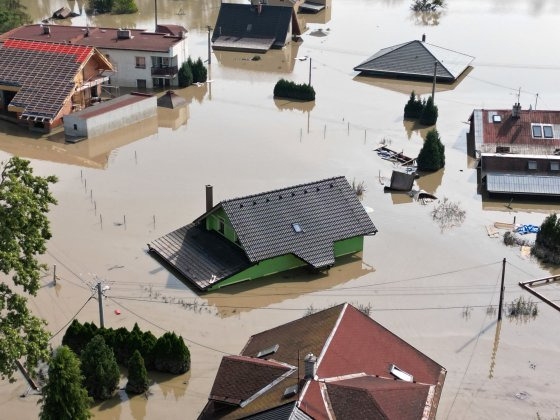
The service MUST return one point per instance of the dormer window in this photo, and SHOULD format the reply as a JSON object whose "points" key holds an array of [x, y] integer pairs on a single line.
{"points": [[540, 131], [548, 132]]}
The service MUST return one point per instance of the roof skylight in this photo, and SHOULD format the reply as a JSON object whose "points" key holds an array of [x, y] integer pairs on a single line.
{"points": [[268, 351], [297, 228]]}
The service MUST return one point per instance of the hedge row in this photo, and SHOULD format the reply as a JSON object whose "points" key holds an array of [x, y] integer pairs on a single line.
{"points": [[423, 110], [167, 353], [192, 72], [286, 89]]}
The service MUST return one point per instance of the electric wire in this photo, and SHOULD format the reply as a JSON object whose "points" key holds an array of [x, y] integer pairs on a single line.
{"points": [[71, 319]]}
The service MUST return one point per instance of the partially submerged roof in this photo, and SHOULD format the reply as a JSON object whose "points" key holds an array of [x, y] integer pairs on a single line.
{"points": [[530, 184], [251, 28], [43, 74], [416, 59], [111, 105], [171, 100], [353, 378], [324, 211], [106, 38]]}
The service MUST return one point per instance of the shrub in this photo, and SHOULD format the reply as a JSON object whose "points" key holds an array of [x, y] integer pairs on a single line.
{"points": [[100, 369], [432, 155], [171, 354], [414, 107], [547, 244], [429, 114], [100, 6], [137, 375], [77, 336], [286, 89], [199, 72], [427, 5], [185, 75], [64, 397], [124, 7]]}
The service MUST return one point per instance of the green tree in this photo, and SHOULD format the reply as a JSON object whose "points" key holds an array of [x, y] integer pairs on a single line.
{"points": [[137, 374], [124, 7], [99, 6], [171, 354], [64, 397], [24, 231], [432, 155], [200, 74], [100, 369], [185, 75], [429, 114], [12, 15], [414, 107], [287, 89]]}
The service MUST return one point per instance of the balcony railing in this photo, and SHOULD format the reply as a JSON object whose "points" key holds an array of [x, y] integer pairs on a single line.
{"points": [[164, 71]]}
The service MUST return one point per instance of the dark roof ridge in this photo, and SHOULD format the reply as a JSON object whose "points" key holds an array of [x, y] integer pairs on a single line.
{"points": [[316, 314], [280, 189], [398, 337]]}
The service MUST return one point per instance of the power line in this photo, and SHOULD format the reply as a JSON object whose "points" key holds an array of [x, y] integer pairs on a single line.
{"points": [[165, 329], [71, 319]]}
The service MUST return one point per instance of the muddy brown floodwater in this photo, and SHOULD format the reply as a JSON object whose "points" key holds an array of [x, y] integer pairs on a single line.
{"points": [[429, 286]]}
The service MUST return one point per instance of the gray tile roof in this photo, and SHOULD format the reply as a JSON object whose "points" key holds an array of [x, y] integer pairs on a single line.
{"points": [[202, 257], [243, 21], [416, 59], [523, 184], [326, 210]]}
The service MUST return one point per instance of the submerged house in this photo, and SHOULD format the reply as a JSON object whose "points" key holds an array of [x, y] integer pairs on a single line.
{"points": [[255, 236], [335, 364], [518, 151], [254, 27], [141, 59], [42, 82], [416, 60]]}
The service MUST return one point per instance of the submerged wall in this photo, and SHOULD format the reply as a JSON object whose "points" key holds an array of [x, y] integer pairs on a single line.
{"points": [[288, 262]]}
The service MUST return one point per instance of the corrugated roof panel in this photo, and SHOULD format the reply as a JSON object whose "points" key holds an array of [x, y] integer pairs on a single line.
{"points": [[523, 184]]}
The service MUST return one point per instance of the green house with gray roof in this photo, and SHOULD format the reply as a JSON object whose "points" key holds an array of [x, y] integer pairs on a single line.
{"points": [[258, 235]]}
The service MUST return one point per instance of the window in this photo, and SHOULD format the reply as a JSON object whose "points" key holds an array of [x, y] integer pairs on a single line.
{"points": [[555, 166], [140, 62], [221, 226], [75, 126], [532, 165], [141, 83], [537, 131], [548, 132], [496, 118], [297, 228], [249, 27]]}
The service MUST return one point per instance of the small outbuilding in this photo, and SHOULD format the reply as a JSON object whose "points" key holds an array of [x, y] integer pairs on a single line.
{"points": [[255, 236], [171, 100], [416, 60], [110, 115]]}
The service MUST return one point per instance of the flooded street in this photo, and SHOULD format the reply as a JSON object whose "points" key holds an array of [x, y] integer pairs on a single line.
{"points": [[433, 288]]}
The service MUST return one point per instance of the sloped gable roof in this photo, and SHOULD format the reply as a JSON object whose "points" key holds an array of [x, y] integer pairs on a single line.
{"points": [[43, 72], [244, 21], [326, 211], [416, 59]]}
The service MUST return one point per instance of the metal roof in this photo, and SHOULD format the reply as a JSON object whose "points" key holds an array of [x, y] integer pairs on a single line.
{"points": [[245, 21], [326, 210], [523, 184], [416, 59]]}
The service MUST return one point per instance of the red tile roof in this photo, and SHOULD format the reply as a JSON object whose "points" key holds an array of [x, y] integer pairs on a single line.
{"points": [[240, 377], [377, 398], [141, 39], [517, 131], [348, 343]]}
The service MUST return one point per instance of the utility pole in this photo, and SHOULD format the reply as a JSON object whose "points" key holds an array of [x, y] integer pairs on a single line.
{"points": [[100, 299], [434, 85], [209, 48], [54, 275], [502, 289], [310, 71], [155, 12]]}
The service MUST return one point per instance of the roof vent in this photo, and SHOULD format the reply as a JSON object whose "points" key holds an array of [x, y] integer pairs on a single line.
{"points": [[423, 37], [310, 362], [400, 374], [46, 30], [290, 391], [124, 34], [516, 110], [268, 351]]}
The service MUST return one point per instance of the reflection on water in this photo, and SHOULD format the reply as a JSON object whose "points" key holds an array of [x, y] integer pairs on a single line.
{"points": [[413, 126], [277, 288], [518, 205], [291, 105], [431, 182], [426, 18], [324, 16], [173, 118]]}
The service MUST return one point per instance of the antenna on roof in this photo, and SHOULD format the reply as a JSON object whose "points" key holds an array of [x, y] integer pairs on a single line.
{"points": [[536, 100]]}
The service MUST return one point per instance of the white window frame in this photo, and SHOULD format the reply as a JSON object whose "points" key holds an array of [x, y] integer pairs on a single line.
{"points": [[555, 166], [551, 129], [532, 165], [533, 126]]}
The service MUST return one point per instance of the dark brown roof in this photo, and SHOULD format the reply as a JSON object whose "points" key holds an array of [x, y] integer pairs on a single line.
{"points": [[44, 73], [517, 131], [355, 354], [373, 398], [171, 100], [240, 378], [105, 38]]}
